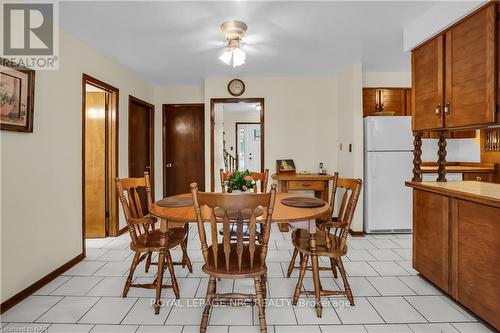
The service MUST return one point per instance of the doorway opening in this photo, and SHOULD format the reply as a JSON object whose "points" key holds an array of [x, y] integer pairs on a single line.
{"points": [[99, 158], [236, 136], [183, 147]]}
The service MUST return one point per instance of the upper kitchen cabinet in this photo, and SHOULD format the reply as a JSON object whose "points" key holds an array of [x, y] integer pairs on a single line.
{"points": [[428, 85], [455, 74], [395, 100]]}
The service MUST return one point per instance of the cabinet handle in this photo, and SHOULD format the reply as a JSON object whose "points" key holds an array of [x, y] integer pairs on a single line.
{"points": [[438, 110], [479, 178], [447, 109]]}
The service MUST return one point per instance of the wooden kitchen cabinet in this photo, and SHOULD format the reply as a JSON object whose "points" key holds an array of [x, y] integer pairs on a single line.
{"points": [[430, 237], [451, 135], [454, 75], [456, 228], [386, 99], [480, 176]]}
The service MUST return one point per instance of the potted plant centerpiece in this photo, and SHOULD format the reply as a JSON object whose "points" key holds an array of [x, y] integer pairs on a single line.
{"points": [[240, 181]]}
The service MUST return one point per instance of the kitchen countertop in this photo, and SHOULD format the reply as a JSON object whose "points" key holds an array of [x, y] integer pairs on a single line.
{"points": [[480, 192], [457, 169]]}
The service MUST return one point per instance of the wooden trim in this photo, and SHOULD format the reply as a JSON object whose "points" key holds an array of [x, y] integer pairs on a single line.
{"points": [[213, 101], [9, 303], [151, 107], [236, 140], [163, 150], [356, 233], [103, 85], [123, 230]]}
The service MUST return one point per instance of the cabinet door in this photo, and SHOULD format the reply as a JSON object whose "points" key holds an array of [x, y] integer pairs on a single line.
{"points": [[470, 70], [430, 237], [370, 101], [393, 100], [479, 176], [428, 85], [475, 265]]}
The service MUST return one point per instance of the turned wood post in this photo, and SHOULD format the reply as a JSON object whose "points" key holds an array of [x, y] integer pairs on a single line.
{"points": [[417, 160], [441, 157]]}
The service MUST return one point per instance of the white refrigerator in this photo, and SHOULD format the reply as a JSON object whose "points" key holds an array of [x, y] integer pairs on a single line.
{"points": [[388, 156]]}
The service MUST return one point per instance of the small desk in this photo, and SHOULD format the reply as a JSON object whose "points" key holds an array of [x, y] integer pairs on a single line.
{"points": [[310, 182]]}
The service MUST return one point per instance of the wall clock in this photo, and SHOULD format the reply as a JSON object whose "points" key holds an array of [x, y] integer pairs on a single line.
{"points": [[236, 87]]}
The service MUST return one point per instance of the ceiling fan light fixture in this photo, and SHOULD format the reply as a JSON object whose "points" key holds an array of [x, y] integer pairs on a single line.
{"points": [[233, 33]]}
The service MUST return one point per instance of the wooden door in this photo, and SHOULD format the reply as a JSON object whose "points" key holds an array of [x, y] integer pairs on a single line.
{"points": [[428, 85], [475, 268], [95, 164], [430, 237], [141, 143], [183, 147], [470, 70]]}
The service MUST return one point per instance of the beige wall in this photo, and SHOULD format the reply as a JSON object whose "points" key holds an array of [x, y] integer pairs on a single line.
{"points": [[300, 118], [386, 79], [41, 190], [350, 130]]}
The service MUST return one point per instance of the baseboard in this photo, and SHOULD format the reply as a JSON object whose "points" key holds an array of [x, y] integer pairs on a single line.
{"points": [[356, 233], [39, 284], [123, 230]]}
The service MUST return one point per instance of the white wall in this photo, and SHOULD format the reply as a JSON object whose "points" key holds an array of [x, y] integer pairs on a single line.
{"points": [[41, 190], [350, 130], [457, 150], [300, 119], [386, 79], [436, 19], [170, 95]]}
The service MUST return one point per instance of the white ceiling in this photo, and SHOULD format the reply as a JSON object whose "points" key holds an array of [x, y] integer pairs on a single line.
{"points": [[179, 42]]}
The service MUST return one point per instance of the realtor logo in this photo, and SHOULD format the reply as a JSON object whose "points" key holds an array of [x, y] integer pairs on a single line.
{"points": [[30, 34]]}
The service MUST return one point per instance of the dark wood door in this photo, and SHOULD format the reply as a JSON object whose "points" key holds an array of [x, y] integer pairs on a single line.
{"points": [[141, 142], [183, 147], [470, 70], [428, 85]]}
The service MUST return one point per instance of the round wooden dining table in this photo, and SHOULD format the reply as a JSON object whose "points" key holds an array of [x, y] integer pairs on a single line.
{"points": [[303, 218]]}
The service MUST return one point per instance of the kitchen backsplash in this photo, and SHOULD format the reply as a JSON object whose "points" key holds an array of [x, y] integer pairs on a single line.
{"points": [[458, 150]]}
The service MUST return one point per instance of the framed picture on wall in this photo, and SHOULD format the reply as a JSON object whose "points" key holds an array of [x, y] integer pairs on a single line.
{"points": [[283, 166], [17, 92]]}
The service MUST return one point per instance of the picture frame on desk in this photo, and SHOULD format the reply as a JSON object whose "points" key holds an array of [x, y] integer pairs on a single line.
{"points": [[285, 166]]}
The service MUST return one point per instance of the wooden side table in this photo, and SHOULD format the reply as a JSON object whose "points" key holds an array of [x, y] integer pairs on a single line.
{"points": [[310, 182]]}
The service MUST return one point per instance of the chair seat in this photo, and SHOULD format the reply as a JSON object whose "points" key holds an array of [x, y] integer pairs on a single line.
{"points": [[300, 239], [152, 242], [234, 271]]}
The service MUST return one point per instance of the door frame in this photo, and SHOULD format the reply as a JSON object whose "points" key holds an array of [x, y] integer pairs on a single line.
{"points": [[214, 101], [151, 107], [236, 138], [163, 130], [114, 222]]}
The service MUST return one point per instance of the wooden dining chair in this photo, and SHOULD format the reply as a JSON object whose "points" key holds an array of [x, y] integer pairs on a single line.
{"points": [[234, 258], [261, 177], [328, 244], [330, 221], [147, 238]]}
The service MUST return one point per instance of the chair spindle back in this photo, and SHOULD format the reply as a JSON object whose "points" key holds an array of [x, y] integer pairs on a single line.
{"points": [[228, 209], [351, 189]]}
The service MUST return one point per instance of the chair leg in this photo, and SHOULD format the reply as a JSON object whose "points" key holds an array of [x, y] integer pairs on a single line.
{"points": [[148, 261], [185, 257], [334, 267], [159, 279], [347, 288], [208, 304], [292, 263], [264, 287], [170, 266], [302, 272], [260, 304], [133, 266], [315, 274]]}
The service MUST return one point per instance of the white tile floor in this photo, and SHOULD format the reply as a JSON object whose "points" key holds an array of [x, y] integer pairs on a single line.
{"points": [[389, 296]]}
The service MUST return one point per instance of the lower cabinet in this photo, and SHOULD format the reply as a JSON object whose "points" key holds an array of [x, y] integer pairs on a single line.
{"points": [[456, 245]]}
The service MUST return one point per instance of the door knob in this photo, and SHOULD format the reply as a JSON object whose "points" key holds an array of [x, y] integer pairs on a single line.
{"points": [[148, 167], [169, 165]]}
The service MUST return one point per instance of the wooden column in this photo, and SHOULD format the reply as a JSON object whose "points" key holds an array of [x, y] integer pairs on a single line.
{"points": [[441, 157], [417, 153]]}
